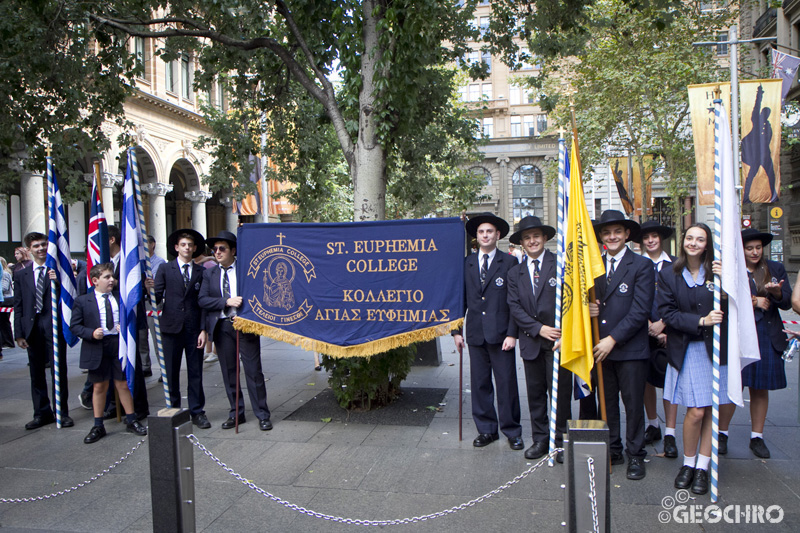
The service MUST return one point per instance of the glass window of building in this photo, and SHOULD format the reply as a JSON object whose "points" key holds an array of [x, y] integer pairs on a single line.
{"points": [[484, 22], [480, 171], [516, 126], [474, 92], [170, 79], [722, 49], [527, 128], [142, 56], [513, 95], [488, 127], [487, 91], [186, 77], [527, 192], [486, 57], [541, 123], [462, 93]]}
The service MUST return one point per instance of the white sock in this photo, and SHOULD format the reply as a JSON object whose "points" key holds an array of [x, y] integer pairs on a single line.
{"points": [[653, 422], [723, 432], [754, 435], [669, 431], [703, 462], [689, 461]]}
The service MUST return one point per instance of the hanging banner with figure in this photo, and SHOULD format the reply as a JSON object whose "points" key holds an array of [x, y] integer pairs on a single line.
{"points": [[354, 288], [701, 107], [761, 140]]}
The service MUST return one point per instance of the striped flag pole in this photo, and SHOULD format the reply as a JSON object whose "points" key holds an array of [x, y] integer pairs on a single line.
{"points": [[717, 305], [54, 300], [562, 158], [149, 274]]}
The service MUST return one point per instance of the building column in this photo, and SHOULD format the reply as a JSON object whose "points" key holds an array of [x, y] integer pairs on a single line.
{"points": [[504, 211], [33, 196], [157, 222], [107, 183], [231, 218], [198, 199]]}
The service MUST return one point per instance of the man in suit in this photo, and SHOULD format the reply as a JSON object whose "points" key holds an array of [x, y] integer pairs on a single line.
{"points": [[491, 335], [624, 302], [177, 285], [532, 302], [33, 330], [220, 297]]}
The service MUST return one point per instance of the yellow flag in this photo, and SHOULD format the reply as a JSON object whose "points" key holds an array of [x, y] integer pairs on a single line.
{"points": [[581, 266]]}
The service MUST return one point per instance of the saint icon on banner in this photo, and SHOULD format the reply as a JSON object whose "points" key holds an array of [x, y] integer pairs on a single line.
{"points": [[278, 287]]}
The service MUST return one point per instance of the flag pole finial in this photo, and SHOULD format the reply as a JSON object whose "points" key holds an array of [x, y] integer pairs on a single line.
{"points": [[717, 92], [49, 151]]}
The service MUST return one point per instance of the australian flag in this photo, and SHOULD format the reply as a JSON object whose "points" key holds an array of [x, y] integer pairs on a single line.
{"points": [[130, 270], [58, 257], [784, 67], [97, 251]]}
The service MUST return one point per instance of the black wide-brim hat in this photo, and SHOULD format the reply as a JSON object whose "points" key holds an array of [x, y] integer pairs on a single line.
{"points": [[223, 235], [611, 217], [198, 239], [652, 226], [494, 220], [531, 222], [752, 234]]}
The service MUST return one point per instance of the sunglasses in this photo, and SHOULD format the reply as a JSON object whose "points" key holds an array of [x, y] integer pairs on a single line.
{"points": [[220, 248]]}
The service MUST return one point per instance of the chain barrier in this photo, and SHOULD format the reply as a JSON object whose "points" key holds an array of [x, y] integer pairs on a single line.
{"points": [[76, 487], [360, 522], [593, 496]]}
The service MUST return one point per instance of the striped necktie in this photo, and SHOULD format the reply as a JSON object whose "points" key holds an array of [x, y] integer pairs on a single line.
{"points": [[40, 290]]}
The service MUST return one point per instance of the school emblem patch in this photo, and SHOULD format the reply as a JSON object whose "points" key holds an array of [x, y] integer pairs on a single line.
{"points": [[499, 282], [623, 288], [552, 282]]}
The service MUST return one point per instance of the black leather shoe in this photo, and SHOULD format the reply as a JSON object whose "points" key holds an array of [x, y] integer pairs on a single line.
{"points": [[516, 443], [617, 459], [560, 458], [95, 434], [670, 447], [66, 422], [700, 483], [484, 439], [723, 444], [39, 421], [230, 423], [85, 399], [264, 424], [201, 421], [759, 448], [537, 450], [685, 477], [652, 434], [136, 428], [636, 468]]}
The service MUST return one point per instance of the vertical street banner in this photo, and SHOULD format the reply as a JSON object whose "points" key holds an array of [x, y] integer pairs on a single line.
{"points": [[251, 204], [761, 140], [353, 288], [619, 169], [701, 107]]}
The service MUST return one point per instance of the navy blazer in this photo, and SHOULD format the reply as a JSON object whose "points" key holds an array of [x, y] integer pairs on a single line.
{"points": [[488, 318], [211, 299], [25, 301], [86, 319], [681, 308], [773, 316], [180, 305], [531, 313], [625, 306]]}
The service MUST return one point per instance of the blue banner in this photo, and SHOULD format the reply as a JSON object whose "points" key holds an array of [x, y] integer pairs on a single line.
{"points": [[351, 289]]}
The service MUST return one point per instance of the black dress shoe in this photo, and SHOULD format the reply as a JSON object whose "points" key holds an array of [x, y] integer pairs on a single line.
{"points": [[670, 447], [264, 424], [516, 443], [136, 428], [685, 477], [230, 423], [95, 434], [723, 444], [560, 458], [85, 399], [700, 483], [484, 439], [617, 459], [66, 422], [537, 450], [39, 421], [636, 468], [652, 434], [201, 421], [759, 448]]}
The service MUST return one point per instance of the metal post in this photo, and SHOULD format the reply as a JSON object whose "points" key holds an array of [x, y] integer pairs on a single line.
{"points": [[588, 498], [171, 471]]}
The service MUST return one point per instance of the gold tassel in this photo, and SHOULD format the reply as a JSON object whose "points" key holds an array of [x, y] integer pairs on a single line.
{"points": [[360, 350]]}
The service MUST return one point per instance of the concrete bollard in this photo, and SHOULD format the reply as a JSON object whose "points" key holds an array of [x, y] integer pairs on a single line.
{"points": [[171, 471], [587, 439]]}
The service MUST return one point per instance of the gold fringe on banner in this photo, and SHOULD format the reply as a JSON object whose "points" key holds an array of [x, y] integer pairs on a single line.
{"points": [[359, 350]]}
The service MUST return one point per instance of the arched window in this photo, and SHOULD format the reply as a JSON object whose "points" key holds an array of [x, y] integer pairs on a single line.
{"points": [[526, 175], [480, 171], [527, 192]]}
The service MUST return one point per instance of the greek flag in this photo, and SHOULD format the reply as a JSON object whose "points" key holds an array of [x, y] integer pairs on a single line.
{"points": [[97, 243], [130, 271], [58, 257]]}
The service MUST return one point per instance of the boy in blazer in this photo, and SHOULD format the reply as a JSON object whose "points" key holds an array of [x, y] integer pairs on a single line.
{"points": [[491, 335], [33, 330], [221, 298], [177, 285], [532, 302], [95, 319], [624, 302]]}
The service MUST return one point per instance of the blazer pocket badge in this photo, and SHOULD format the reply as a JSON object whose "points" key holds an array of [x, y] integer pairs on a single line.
{"points": [[623, 288], [552, 282], [197, 286], [710, 286], [499, 282]]}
